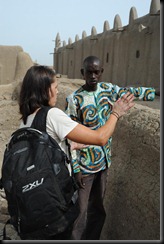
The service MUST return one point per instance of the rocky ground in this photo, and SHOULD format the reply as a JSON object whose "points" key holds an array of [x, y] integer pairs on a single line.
{"points": [[10, 119]]}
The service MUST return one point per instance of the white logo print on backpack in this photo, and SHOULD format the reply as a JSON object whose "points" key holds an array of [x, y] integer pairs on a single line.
{"points": [[40, 192], [31, 186]]}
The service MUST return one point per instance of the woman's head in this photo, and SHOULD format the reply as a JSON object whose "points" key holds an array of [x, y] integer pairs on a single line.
{"points": [[39, 88]]}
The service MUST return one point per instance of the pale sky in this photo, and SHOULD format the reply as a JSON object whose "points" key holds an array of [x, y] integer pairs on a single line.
{"points": [[34, 24]]}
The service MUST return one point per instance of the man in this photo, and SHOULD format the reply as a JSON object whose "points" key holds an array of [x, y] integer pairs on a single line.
{"points": [[91, 105]]}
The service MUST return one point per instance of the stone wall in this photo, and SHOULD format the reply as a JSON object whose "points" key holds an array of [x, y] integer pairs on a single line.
{"points": [[133, 190]]}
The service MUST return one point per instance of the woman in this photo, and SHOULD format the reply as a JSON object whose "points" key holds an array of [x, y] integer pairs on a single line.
{"points": [[40, 88]]}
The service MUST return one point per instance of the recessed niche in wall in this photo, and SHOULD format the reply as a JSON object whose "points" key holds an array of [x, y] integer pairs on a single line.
{"points": [[107, 57], [137, 54]]}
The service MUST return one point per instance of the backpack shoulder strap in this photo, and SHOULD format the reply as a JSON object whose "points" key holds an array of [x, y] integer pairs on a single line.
{"points": [[39, 121]]}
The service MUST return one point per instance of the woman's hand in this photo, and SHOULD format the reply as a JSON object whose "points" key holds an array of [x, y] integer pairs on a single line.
{"points": [[123, 104], [76, 146]]}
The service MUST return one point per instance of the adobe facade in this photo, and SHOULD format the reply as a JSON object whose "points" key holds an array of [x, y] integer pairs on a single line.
{"points": [[130, 54], [14, 63]]}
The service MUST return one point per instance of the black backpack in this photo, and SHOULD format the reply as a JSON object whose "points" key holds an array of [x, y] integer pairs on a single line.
{"points": [[41, 194]]}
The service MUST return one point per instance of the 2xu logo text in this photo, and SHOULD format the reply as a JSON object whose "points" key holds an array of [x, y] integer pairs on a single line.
{"points": [[33, 185]]}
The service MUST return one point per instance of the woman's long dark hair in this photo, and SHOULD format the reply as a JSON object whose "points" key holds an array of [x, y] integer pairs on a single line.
{"points": [[35, 89]]}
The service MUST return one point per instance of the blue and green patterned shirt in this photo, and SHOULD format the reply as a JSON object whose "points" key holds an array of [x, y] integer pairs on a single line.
{"points": [[93, 109]]}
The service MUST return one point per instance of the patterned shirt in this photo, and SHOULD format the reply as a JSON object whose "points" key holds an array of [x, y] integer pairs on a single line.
{"points": [[93, 109]]}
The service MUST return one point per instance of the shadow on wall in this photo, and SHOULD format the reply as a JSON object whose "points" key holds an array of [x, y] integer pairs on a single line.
{"points": [[132, 197]]}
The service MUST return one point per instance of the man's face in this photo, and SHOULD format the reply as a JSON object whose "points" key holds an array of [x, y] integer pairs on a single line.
{"points": [[92, 73]]}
